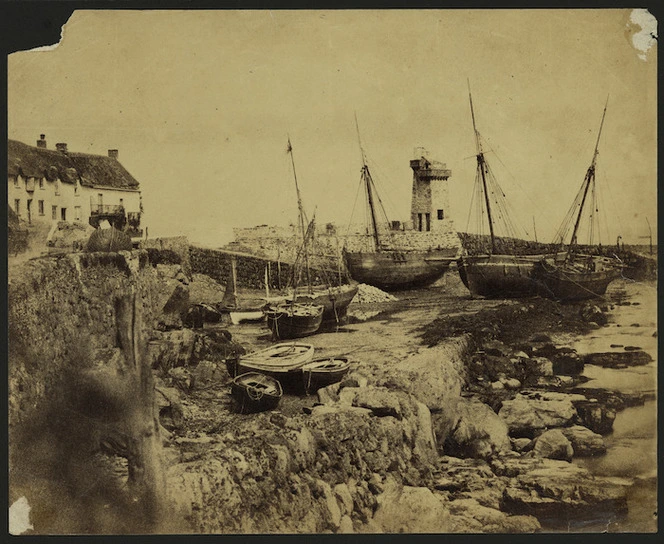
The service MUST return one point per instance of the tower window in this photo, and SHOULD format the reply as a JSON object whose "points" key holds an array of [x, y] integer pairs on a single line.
{"points": [[428, 220], [441, 215]]}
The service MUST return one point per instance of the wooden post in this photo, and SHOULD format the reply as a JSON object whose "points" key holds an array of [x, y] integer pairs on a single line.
{"points": [[146, 476]]}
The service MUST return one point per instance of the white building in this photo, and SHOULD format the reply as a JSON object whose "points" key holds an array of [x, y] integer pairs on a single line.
{"points": [[46, 186]]}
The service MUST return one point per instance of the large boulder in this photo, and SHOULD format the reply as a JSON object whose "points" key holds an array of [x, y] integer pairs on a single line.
{"points": [[553, 444], [558, 490], [530, 413], [585, 442], [596, 416], [406, 509], [478, 432], [618, 359], [469, 516], [434, 375]]}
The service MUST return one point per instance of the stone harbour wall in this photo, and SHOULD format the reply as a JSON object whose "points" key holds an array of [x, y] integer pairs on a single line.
{"points": [[250, 270]]}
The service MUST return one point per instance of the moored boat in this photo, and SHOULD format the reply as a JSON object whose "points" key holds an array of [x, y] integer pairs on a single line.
{"points": [[495, 274], [574, 275], [392, 270], [324, 371], [585, 277], [500, 275], [388, 267], [239, 310], [281, 361], [293, 320], [256, 392]]}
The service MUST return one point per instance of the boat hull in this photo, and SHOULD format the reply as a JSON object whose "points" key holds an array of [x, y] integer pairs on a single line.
{"points": [[317, 373], [569, 283], [283, 362], [255, 392], [509, 276], [246, 316], [286, 324], [396, 270], [335, 301]]}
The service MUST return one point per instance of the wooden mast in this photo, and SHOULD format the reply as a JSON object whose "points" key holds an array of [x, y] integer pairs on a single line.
{"points": [[588, 180], [368, 182], [481, 166], [302, 218]]}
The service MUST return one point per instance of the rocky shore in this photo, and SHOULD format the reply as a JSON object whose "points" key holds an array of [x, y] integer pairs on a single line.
{"points": [[467, 423], [459, 415]]}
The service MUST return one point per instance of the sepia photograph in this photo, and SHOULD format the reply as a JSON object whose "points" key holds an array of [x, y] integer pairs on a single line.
{"points": [[342, 271]]}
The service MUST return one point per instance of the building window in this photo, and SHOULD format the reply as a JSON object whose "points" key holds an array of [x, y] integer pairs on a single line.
{"points": [[16, 181], [41, 207], [77, 213], [57, 187], [428, 218], [54, 212], [17, 206], [63, 214], [76, 189], [41, 184], [441, 215], [419, 222]]}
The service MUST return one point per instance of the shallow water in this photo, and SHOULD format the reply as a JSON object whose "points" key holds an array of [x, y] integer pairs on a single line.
{"points": [[632, 446]]}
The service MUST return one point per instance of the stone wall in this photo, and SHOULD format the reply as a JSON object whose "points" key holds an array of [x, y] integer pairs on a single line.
{"points": [[179, 245], [250, 270], [281, 243]]}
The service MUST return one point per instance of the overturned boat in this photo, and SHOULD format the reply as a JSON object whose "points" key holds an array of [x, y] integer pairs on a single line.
{"points": [[256, 392], [323, 372]]}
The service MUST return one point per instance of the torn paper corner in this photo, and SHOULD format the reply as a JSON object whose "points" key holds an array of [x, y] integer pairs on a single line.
{"points": [[54, 46], [19, 517], [645, 38]]}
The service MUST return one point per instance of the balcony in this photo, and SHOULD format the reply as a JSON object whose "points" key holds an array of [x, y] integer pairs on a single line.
{"points": [[106, 209]]}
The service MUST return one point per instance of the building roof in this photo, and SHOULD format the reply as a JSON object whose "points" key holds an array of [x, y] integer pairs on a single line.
{"points": [[91, 170]]}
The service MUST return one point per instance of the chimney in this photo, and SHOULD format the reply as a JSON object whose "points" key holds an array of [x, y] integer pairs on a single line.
{"points": [[62, 148], [42, 141], [113, 153]]}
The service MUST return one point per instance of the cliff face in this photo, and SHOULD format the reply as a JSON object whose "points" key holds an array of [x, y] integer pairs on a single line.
{"points": [[78, 384], [61, 315]]}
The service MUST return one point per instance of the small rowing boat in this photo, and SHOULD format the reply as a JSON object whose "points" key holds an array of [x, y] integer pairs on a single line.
{"points": [[256, 392], [325, 371], [281, 361]]}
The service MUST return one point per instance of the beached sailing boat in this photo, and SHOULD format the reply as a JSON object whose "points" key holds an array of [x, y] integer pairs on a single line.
{"points": [[383, 265], [573, 275], [495, 273], [333, 298]]}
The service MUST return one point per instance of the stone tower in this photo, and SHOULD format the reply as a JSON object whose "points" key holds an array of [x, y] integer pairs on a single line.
{"points": [[430, 204]]}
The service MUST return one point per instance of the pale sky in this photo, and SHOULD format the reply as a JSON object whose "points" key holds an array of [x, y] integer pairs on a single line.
{"points": [[199, 104]]}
